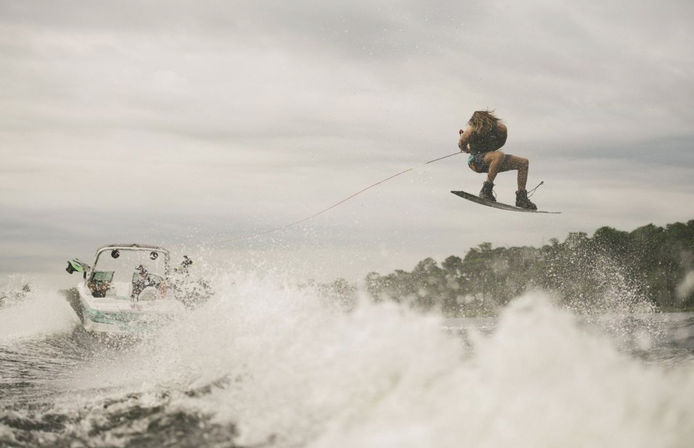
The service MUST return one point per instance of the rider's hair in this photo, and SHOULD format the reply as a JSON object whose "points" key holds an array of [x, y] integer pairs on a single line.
{"points": [[483, 121]]}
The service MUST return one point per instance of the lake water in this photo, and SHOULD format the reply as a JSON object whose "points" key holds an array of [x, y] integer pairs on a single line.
{"points": [[268, 365]]}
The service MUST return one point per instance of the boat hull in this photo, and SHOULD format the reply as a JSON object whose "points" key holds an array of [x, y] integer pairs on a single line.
{"points": [[120, 316]]}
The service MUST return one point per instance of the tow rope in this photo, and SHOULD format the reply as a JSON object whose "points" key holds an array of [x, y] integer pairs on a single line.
{"points": [[336, 204]]}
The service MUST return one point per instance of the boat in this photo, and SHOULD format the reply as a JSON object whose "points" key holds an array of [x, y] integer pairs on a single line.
{"points": [[126, 291]]}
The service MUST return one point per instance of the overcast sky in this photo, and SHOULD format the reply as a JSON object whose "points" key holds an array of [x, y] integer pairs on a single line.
{"points": [[185, 123]]}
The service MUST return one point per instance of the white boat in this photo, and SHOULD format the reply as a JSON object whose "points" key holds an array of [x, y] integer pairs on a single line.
{"points": [[126, 291]]}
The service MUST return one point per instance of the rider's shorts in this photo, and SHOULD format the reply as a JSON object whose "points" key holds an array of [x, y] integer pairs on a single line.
{"points": [[477, 164]]}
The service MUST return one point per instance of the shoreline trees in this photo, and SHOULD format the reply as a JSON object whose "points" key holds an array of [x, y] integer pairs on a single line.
{"points": [[608, 270]]}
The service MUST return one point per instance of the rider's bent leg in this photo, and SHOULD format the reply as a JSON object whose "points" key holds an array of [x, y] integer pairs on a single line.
{"points": [[495, 160], [521, 164], [517, 163]]}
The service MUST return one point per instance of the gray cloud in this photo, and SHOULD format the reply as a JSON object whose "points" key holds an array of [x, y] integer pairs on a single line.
{"points": [[219, 119]]}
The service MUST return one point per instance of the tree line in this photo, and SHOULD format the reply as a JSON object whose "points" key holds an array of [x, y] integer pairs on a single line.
{"points": [[611, 269]]}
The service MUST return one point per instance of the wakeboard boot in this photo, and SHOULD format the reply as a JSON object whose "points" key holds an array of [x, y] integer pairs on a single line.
{"points": [[522, 200], [486, 192]]}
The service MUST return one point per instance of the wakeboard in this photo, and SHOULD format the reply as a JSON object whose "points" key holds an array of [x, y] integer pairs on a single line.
{"points": [[499, 205]]}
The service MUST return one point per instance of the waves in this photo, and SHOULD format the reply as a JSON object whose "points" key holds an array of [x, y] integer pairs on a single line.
{"points": [[35, 314], [265, 363]]}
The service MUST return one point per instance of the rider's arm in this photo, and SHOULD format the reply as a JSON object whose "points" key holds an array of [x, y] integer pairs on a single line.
{"points": [[463, 140]]}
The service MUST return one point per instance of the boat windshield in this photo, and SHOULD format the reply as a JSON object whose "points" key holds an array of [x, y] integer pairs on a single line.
{"points": [[103, 276], [128, 261]]}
